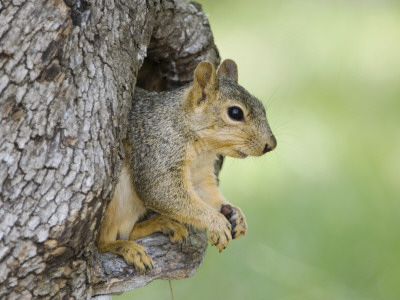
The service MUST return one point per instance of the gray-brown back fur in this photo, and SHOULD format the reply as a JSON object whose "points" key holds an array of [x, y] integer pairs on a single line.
{"points": [[157, 135]]}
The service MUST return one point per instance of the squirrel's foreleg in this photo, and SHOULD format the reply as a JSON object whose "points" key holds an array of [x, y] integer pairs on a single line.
{"points": [[207, 189], [186, 206]]}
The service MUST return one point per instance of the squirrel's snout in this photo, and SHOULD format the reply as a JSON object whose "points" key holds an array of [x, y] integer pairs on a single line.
{"points": [[270, 145]]}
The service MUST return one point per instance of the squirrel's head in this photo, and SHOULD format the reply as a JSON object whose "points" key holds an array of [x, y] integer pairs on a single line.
{"points": [[224, 116]]}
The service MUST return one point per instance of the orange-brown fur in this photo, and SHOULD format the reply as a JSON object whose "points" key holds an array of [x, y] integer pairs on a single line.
{"points": [[173, 142], [120, 220]]}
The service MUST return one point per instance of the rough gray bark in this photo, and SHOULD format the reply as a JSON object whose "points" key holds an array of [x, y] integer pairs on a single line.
{"points": [[67, 73]]}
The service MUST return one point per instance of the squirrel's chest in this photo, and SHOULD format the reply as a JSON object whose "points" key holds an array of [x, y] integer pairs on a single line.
{"points": [[200, 167]]}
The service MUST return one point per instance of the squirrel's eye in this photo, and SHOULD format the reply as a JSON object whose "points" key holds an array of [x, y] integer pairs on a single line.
{"points": [[236, 113]]}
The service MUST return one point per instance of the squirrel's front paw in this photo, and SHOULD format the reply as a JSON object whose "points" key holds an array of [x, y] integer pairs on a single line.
{"points": [[236, 217], [220, 232], [135, 254]]}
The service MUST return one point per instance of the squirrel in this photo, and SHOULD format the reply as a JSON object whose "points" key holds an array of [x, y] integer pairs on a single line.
{"points": [[174, 139]]}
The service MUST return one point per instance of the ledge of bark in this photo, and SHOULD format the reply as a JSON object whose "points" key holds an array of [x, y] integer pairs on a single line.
{"points": [[109, 273]]}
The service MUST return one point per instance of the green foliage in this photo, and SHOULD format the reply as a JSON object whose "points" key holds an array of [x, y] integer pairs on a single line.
{"points": [[323, 208]]}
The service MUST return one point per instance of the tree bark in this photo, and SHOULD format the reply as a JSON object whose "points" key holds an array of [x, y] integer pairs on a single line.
{"points": [[109, 274], [67, 74]]}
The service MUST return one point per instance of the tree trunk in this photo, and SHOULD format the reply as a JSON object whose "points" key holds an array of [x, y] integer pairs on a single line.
{"points": [[67, 74]]}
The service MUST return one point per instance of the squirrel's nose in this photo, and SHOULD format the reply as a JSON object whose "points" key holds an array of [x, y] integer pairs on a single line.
{"points": [[271, 145]]}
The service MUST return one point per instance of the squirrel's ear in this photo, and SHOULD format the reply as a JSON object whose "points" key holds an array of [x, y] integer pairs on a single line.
{"points": [[228, 69], [205, 83], [205, 75]]}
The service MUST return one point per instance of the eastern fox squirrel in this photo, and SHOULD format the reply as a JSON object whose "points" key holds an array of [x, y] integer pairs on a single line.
{"points": [[173, 142]]}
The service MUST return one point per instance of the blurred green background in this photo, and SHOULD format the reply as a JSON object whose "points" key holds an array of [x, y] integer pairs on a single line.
{"points": [[323, 209]]}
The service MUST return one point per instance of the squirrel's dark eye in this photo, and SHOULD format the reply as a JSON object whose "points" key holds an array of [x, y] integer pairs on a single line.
{"points": [[236, 113]]}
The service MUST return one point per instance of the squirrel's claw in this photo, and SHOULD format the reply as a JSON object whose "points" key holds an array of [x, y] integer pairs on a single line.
{"points": [[236, 217], [176, 231], [135, 254], [221, 238]]}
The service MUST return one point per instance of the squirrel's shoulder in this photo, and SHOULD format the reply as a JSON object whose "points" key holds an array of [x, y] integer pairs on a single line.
{"points": [[157, 113], [157, 125]]}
